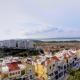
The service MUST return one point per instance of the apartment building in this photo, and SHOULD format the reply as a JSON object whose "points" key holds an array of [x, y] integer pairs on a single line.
{"points": [[1, 44], [44, 67], [8, 44], [47, 69], [55, 67], [21, 44], [24, 44], [29, 43], [16, 44]]}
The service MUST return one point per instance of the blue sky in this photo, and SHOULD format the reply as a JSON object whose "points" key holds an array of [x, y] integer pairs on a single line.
{"points": [[39, 18]]}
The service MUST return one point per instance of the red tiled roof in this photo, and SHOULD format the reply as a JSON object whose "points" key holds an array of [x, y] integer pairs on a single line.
{"points": [[13, 66], [55, 58], [66, 56], [48, 61], [46, 49]]}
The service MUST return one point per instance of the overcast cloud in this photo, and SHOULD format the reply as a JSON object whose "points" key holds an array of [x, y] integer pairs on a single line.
{"points": [[39, 18]]}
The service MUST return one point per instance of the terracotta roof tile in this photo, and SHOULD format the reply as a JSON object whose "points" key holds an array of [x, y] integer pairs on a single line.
{"points": [[48, 61], [13, 66], [55, 58]]}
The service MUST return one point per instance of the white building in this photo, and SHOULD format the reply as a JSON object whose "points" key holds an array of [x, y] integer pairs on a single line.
{"points": [[5, 43], [12, 43], [20, 44], [1, 44], [8, 43], [29, 44], [24, 44]]}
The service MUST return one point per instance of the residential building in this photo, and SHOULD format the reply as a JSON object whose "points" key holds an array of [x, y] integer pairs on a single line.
{"points": [[16, 44], [55, 67], [16, 68]]}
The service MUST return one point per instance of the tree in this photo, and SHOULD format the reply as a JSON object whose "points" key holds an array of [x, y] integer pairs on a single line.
{"points": [[74, 74]]}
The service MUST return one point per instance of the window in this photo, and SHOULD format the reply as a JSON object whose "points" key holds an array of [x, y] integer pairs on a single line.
{"points": [[19, 72], [56, 77], [61, 74], [13, 73], [75, 58], [31, 77], [30, 70], [64, 66], [52, 74], [67, 65], [16, 44], [36, 74], [53, 65], [50, 67], [10, 74], [56, 72], [67, 61], [65, 72], [49, 74], [16, 73]]}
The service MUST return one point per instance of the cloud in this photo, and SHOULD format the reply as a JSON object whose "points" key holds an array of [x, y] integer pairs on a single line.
{"points": [[48, 29], [39, 18]]}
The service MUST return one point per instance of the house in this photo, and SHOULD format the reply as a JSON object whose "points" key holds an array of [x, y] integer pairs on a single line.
{"points": [[16, 69]]}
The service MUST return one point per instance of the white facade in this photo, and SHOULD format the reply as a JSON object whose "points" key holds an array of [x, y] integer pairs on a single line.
{"points": [[6, 43], [24, 44], [29, 44], [1, 44], [20, 44], [12, 44]]}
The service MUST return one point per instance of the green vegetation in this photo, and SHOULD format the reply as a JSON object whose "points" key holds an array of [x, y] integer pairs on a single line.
{"points": [[22, 72], [19, 52], [74, 74]]}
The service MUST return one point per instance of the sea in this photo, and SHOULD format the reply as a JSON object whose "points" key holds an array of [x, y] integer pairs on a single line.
{"points": [[61, 39]]}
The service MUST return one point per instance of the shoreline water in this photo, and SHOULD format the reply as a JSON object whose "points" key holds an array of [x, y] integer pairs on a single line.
{"points": [[61, 39]]}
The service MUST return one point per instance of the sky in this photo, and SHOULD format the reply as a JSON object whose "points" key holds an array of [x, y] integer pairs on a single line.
{"points": [[21, 19]]}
